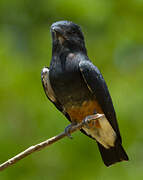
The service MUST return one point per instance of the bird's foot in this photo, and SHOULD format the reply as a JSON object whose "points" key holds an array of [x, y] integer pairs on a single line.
{"points": [[87, 121], [68, 129]]}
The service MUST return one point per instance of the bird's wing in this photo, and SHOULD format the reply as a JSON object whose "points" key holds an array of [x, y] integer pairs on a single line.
{"points": [[98, 88], [49, 91]]}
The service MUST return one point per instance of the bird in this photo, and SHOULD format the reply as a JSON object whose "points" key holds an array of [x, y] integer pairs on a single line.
{"points": [[77, 88]]}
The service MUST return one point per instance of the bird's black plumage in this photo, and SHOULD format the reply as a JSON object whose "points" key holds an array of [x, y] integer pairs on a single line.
{"points": [[77, 88]]}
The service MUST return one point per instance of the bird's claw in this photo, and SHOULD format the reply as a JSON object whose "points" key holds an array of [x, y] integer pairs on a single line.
{"points": [[88, 119], [67, 131], [86, 122]]}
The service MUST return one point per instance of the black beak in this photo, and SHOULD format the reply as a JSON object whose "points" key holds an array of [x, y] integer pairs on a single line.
{"points": [[57, 30], [58, 33]]}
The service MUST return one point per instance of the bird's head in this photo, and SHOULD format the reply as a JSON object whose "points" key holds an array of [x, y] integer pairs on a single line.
{"points": [[66, 34]]}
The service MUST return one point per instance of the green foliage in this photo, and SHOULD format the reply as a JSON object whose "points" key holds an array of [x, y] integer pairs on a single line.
{"points": [[113, 34]]}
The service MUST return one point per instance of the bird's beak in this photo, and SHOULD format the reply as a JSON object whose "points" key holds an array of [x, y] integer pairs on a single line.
{"points": [[58, 34]]}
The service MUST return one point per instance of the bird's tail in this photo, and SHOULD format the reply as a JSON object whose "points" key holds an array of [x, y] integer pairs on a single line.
{"points": [[113, 154]]}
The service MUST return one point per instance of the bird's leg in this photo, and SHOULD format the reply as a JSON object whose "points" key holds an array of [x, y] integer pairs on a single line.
{"points": [[68, 129], [87, 121]]}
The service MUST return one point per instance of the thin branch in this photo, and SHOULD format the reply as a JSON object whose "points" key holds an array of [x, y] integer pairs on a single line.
{"points": [[43, 144]]}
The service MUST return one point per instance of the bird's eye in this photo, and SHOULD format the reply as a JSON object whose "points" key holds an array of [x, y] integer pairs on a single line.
{"points": [[73, 31]]}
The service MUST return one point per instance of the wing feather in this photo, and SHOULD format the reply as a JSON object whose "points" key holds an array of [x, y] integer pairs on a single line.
{"points": [[98, 87], [50, 93]]}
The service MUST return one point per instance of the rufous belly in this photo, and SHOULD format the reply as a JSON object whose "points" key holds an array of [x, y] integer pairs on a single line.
{"points": [[101, 130], [78, 113]]}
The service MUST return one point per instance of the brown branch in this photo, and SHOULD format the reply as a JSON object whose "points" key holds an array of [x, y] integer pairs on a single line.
{"points": [[43, 144]]}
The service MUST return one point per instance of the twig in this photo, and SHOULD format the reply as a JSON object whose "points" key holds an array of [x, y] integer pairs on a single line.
{"points": [[43, 144]]}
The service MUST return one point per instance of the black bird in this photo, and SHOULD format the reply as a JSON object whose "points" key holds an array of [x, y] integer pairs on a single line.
{"points": [[78, 90]]}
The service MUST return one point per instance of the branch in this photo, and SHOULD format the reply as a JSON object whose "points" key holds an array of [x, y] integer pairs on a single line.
{"points": [[44, 144]]}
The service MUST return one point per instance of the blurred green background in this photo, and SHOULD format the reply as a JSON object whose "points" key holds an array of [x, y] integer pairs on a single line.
{"points": [[114, 38]]}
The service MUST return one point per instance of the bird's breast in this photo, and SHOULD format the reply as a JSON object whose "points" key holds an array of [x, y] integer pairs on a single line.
{"points": [[68, 83]]}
